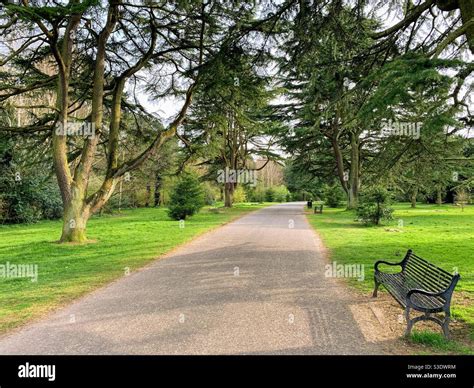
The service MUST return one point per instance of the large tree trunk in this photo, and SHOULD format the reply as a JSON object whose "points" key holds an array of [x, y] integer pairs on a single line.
{"points": [[439, 197], [148, 195], [157, 195], [74, 220], [353, 197], [467, 14], [229, 194], [71, 195], [77, 208], [466, 8], [414, 194], [340, 165]]}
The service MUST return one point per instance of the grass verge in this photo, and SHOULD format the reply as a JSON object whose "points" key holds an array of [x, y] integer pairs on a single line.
{"points": [[441, 234], [434, 342], [120, 243]]}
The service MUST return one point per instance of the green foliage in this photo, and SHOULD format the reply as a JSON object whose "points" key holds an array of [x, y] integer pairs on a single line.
{"points": [[333, 195], [270, 194], [280, 193], [29, 200], [51, 13], [256, 194], [229, 114], [211, 193], [412, 81], [27, 194], [187, 197], [319, 72], [462, 197], [374, 206], [300, 183], [240, 195]]}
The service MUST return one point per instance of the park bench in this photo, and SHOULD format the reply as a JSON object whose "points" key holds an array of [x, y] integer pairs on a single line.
{"points": [[421, 286], [318, 209]]}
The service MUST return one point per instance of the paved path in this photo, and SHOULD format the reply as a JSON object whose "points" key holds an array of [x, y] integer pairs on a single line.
{"points": [[254, 286]]}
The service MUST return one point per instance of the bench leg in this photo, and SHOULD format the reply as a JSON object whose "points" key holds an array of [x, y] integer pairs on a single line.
{"points": [[377, 285], [427, 317], [445, 324], [409, 322]]}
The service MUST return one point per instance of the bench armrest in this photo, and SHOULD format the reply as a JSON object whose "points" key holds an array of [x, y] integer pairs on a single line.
{"points": [[423, 292], [376, 265]]}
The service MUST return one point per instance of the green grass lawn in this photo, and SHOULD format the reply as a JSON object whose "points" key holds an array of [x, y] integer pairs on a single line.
{"points": [[443, 235], [122, 242]]}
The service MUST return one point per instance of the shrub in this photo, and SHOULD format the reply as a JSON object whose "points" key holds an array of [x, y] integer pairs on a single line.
{"points": [[462, 197], [27, 193], [255, 194], [29, 200], [280, 193], [239, 195], [374, 206], [186, 198], [270, 194], [333, 195], [50, 202], [211, 193]]}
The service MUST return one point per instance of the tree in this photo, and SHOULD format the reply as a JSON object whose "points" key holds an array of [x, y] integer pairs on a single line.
{"points": [[374, 206], [227, 124], [319, 81], [302, 184], [444, 20], [462, 197], [97, 51], [415, 93], [342, 88], [333, 195], [186, 198]]}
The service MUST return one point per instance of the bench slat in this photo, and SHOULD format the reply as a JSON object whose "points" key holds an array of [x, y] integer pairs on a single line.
{"points": [[440, 277], [395, 283], [425, 280], [426, 264]]}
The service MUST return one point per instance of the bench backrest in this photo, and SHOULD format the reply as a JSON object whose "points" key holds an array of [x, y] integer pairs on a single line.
{"points": [[428, 275]]}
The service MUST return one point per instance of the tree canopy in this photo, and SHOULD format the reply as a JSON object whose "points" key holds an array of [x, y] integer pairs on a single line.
{"points": [[350, 94]]}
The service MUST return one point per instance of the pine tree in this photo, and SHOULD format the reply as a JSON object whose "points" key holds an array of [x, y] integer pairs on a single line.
{"points": [[187, 197]]}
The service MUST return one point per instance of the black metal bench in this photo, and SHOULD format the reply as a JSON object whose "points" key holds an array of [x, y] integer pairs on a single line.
{"points": [[318, 209], [420, 286]]}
